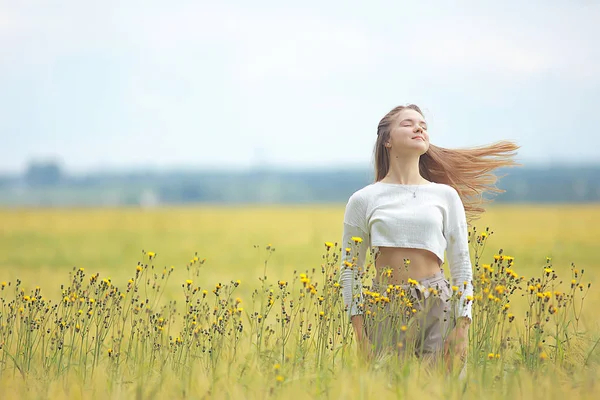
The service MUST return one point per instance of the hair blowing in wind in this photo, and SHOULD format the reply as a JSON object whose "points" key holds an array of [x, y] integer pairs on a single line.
{"points": [[470, 171]]}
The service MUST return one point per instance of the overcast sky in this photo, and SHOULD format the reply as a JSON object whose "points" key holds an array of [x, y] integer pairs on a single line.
{"points": [[120, 84]]}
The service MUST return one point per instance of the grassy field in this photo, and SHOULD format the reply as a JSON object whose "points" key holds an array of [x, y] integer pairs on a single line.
{"points": [[112, 329]]}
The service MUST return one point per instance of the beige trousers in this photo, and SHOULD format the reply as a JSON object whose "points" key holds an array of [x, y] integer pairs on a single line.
{"points": [[414, 318]]}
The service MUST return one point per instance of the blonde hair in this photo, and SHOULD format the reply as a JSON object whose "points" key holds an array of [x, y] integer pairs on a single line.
{"points": [[469, 171]]}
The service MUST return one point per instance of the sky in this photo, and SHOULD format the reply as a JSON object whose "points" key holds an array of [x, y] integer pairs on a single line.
{"points": [[236, 84]]}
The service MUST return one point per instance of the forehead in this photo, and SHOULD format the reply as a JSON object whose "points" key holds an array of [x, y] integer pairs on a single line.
{"points": [[411, 114]]}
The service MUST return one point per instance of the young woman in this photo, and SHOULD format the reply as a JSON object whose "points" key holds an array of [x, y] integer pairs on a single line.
{"points": [[419, 207]]}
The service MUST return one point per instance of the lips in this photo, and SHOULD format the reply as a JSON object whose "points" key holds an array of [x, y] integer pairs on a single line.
{"points": [[419, 138]]}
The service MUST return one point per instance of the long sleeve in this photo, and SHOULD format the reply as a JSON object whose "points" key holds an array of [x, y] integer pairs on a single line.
{"points": [[355, 245], [457, 251]]}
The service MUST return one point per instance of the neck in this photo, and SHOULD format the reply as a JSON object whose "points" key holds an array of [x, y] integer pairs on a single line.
{"points": [[404, 169]]}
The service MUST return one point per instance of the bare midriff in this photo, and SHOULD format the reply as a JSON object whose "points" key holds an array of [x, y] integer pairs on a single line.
{"points": [[392, 269]]}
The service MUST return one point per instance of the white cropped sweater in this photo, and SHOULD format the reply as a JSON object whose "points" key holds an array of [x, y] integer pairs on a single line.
{"points": [[429, 216]]}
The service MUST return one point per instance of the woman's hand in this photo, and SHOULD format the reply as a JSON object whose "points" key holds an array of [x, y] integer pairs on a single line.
{"points": [[456, 344], [364, 345]]}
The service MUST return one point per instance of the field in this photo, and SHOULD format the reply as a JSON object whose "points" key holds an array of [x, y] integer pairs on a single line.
{"points": [[118, 324]]}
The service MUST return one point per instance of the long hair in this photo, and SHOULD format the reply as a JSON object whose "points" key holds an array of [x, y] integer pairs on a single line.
{"points": [[469, 171]]}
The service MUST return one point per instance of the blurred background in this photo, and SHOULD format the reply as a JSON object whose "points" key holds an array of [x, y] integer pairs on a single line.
{"points": [[149, 103]]}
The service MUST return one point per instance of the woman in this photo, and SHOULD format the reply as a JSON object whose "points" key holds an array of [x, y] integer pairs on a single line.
{"points": [[419, 206]]}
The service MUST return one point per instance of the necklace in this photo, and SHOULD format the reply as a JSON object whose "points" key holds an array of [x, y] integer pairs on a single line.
{"points": [[406, 187], [414, 193]]}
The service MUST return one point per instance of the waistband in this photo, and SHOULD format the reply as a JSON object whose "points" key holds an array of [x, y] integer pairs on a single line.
{"points": [[435, 280]]}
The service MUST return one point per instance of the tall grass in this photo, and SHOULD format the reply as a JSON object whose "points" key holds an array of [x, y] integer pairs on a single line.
{"points": [[290, 336]]}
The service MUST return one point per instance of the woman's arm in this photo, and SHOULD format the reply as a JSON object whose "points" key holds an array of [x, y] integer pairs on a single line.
{"points": [[355, 245], [457, 251]]}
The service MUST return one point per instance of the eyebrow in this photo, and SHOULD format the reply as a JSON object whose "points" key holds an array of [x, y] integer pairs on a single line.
{"points": [[412, 120]]}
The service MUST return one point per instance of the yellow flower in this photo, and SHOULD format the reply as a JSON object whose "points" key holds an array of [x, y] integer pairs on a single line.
{"points": [[491, 356], [279, 378], [151, 254], [328, 245], [188, 282], [403, 328], [356, 239]]}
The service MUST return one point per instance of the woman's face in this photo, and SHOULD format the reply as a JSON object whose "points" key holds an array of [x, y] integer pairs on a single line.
{"points": [[408, 133]]}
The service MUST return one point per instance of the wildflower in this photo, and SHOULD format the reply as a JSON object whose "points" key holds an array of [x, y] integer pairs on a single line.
{"points": [[151, 254], [491, 356], [3, 285], [356, 239], [328, 245], [412, 281], [138, 268], [276, 366], [279, 378], [403, 328], [500, 289], [188, 282], [548, 271], [511, 317], [455, 288], [543, 356]]}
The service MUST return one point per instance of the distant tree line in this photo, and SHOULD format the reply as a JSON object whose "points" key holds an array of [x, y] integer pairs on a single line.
{"points": [[46, 184]]}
